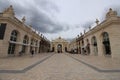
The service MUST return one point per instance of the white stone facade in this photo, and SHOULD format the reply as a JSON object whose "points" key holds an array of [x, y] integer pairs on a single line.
{"points": [[59, 45], [16, 36], [104, 38]]}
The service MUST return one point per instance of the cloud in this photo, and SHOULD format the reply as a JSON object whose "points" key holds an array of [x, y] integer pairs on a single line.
{"points": [[69, 39], [116, 8], [3, 4], [38, 14], [47, 5], [88, 24]]}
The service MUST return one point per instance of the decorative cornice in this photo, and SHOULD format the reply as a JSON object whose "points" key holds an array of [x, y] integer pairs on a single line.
{"points": [[102, 25], [19, 24]]}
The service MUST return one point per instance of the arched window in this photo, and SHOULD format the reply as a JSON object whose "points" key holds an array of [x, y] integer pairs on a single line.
{"points": [[105, 36], [94, 45], [32, 41], [31, 44], [88, 46], [39, 46], [13, 37], [36, 44], [106, 43], [26, 39], [94, 41]]}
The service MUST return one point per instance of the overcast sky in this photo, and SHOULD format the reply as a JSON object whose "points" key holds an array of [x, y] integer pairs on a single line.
{"points": [[65, 18]]}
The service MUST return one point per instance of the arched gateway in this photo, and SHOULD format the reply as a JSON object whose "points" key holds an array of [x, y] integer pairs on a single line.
{"points": [[59, 45], [59, 48]]}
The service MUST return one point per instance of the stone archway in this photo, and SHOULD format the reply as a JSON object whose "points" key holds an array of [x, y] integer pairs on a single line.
{"points": [[59, 48]]}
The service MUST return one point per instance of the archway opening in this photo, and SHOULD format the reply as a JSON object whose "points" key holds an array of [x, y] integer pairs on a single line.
{"points": [[59, 48]]}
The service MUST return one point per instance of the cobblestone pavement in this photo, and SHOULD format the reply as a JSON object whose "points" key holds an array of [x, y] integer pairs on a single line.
{"points": [[57, 67]]}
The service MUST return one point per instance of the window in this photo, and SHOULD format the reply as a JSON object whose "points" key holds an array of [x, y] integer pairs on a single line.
{"points": [[106, 43], [26, 39], [12, 46], [94, 45], [2, 30], [32, 41], [13, 36], [105, 36], [94, 41]]}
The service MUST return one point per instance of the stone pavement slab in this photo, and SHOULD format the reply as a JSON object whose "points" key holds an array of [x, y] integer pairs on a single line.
{"points": [[101, 62], [61, 67], [20, 62]]}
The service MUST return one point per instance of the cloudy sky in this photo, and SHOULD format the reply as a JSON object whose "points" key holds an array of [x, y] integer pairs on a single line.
{"points": [[65, 18]]}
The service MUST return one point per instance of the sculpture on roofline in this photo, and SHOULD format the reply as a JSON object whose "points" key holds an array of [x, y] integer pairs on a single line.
{"points": [[111, 13]]}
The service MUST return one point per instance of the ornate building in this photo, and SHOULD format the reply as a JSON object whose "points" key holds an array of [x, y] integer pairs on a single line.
{"points": [[15, 36], [103, 39], [59, 45]]}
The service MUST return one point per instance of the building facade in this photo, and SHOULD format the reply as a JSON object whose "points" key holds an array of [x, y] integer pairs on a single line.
{"points": [[103, 39], [59, 45], [16, 36], [73, 46]]}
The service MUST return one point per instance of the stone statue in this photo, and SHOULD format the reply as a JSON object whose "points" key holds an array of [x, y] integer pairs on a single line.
{"points": [[9, 11], [23, 19], [111, 13], [97, 21]]}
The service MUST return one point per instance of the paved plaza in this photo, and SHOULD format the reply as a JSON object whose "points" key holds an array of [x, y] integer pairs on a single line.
{"points": [[62, 66]]}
